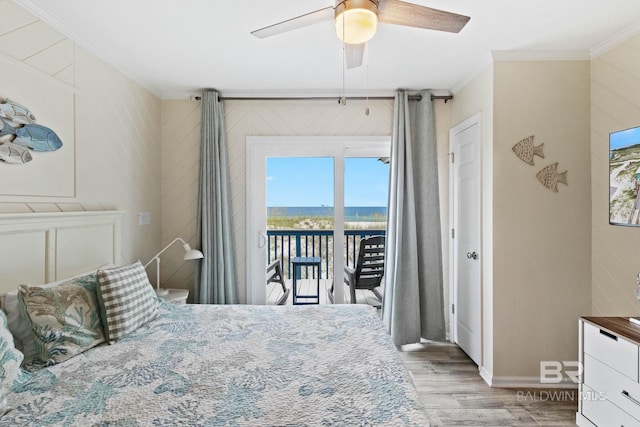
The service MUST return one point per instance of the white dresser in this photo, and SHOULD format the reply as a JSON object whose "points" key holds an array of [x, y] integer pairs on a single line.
{"points": [[609, 387]]}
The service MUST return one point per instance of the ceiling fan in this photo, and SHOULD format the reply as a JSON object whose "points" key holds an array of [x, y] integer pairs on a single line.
{"points": [[356, 22]]}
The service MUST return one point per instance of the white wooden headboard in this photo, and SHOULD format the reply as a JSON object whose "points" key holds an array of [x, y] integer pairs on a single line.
{"points": [[39, 248]]}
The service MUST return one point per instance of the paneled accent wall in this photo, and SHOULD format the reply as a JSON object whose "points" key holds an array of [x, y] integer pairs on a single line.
{"points": [[180, 157], [615, 105], [180, 166], [26, 39], [117, 129]]}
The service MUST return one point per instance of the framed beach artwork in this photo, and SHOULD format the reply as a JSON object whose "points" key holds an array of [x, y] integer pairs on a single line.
{"points": [[36, 107], [624, 177]]}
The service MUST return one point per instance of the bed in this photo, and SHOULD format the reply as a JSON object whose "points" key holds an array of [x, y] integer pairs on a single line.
{"points": [[218, 365]]}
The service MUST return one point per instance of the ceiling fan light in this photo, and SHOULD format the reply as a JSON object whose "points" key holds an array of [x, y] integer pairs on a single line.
{"points": [[356, 21]]}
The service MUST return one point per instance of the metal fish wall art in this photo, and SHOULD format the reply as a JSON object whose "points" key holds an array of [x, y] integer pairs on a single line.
{"points": [[549, 177], [525, 150], [16, 113], [35, 137], [11, 153]]}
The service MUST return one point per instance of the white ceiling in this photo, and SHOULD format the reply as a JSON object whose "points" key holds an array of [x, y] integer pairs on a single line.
{"points": [[175, 47]]}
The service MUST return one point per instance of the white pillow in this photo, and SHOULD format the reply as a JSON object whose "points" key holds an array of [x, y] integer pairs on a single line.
{"points": [[19, 324]]}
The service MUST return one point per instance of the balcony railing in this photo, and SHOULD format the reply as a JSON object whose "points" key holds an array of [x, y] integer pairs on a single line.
{"points": [[287, 244]]}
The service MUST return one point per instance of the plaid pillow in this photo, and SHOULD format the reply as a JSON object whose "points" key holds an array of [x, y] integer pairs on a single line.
{"points": [[127, 300]]}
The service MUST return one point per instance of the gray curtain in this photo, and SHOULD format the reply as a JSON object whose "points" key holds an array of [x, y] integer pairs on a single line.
{"points": [[413, 301], [215, 279]]}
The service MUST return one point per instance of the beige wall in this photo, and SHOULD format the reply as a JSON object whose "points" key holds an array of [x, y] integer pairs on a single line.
{"points": [[477, 97], [542, 241], [615, 105], [117, 127], [537, 243]]}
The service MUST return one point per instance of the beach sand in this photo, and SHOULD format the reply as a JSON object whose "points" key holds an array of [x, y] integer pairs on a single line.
{"points": [[364, 225]]}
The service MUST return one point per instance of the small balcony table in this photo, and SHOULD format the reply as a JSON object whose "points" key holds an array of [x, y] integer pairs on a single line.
{"points": [[298, 262]]}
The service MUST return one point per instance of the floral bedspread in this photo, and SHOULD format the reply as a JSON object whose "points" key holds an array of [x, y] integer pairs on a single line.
{"points": [[240, 365]]}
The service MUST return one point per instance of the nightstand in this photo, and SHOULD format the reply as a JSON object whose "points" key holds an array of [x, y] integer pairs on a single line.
{"points": [[176, 296]]}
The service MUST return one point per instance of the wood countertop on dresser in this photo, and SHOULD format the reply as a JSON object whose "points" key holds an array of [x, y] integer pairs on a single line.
{"points": [[616, 325]]}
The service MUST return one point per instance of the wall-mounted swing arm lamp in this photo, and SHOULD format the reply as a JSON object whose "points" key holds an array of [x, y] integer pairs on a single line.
{"points": [[189, 254]]}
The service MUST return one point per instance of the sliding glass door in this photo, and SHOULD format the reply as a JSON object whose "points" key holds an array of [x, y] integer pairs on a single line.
{"points": [[314, 165]]}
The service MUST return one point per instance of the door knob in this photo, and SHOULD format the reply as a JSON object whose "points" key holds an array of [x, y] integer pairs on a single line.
{"points": [[472, 255]]}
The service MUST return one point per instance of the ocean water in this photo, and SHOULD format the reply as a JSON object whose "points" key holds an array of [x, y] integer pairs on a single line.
{"points": [[351, 213]]}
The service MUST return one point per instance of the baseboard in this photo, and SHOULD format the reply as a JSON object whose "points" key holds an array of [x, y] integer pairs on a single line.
{"points": [[523, 382], [486, 376], [529, 382]]}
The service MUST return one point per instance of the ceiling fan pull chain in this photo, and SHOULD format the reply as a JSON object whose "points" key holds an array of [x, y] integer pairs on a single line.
{"points": [[366, 49], [343, 100]]}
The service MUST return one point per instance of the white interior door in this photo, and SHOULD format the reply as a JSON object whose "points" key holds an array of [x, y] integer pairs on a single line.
{"points": [[466, 259], [261, 148]]}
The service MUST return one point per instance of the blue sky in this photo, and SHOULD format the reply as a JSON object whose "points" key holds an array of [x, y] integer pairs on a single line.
{"points": [[624, 138], [303, 181]]}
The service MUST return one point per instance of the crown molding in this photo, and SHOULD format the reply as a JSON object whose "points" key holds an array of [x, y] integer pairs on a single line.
{"points": [[507, 55], [619, 38]]}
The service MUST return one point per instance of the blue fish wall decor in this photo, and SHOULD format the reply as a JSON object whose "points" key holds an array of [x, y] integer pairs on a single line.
{"points": [[33, 136]]}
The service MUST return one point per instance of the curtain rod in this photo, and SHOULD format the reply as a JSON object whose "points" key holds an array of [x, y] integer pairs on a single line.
{"points": [[322, 98]]}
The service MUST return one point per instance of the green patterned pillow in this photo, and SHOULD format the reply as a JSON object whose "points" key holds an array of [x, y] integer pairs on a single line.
{"points": [[127, 300], [65, 319], [10, 360]]}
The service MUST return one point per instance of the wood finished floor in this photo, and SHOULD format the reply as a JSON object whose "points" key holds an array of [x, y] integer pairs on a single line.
{"points": [[453, 393]]}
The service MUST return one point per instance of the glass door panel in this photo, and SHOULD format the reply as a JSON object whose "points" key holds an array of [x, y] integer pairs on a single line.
{"points": [[366, 189], [300, 220], [303, 169]]}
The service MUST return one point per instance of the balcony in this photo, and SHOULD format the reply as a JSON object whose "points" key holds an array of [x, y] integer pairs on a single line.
{"points": [[287, 244]]}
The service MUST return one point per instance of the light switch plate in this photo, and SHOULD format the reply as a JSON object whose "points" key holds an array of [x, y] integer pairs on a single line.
{"points": [[144, 218]]}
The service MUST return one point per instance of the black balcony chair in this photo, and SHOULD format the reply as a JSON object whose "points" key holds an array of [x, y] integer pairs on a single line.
{"points": [[274, 275], [369, 269]]}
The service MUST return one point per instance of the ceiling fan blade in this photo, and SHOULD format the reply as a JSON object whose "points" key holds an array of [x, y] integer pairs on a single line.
{"points": [[412, 15], [294, 23], [353, 54]]}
